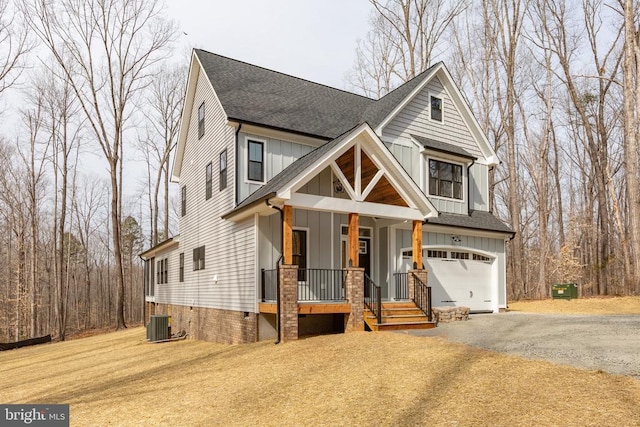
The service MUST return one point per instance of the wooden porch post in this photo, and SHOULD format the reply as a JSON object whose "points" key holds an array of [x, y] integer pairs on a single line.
{"points": [[417, 245], [353, 239], [287, 235]]}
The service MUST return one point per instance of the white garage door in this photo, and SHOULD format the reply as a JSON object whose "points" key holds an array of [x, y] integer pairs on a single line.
{"points": [[460, 278]]}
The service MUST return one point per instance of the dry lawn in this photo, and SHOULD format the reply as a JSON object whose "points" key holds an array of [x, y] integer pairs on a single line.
{"points": [[612, 305], [349, 379]]}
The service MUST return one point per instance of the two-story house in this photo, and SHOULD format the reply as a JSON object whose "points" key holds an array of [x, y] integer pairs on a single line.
{"points": [[303, 206]]}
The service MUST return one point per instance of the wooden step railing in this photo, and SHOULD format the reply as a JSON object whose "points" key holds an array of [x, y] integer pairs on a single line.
{"points": [[373, 298], [422, 296]]}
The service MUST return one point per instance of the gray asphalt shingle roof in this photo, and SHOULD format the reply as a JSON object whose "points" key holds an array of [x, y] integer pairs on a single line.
{"points": [[257, 95], [477, 220], [443, 147], [253, 94]]}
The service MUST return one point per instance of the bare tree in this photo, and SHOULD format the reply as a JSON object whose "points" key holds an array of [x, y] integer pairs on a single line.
{"points": [[164, 102], [106, 50], [402, 42], [631, 108], [14, 46]]}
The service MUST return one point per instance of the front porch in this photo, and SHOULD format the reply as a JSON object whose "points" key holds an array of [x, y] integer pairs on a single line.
{"points": [[349, 293]]}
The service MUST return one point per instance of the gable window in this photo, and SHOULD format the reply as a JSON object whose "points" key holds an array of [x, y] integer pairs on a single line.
{"points": [[299, 252], [198, 258], [183, 201], [209, 179], [201, 121], [255, 166], [445, 179], [223, 170], [436, 108], [181, 276]]}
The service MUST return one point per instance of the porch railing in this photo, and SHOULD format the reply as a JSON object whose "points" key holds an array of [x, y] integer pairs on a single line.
{"points": [[314, 284], [269, 284], [402, 285], [373, 298], [422, 296], [320, 284]]}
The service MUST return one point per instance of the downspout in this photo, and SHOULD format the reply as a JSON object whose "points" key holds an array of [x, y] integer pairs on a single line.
{"points": [[278, 262], [236, 165], [469, 187], [144, 291]]}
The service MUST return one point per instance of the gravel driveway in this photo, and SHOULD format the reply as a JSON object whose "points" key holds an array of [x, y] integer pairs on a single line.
{"points": [[607, 343]]}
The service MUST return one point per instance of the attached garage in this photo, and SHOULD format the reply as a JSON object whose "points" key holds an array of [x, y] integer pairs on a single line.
{"points": [[462, 277]]}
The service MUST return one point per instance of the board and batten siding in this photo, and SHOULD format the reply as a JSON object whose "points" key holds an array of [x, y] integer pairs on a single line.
{"points": [[278, 155], [415, 119], [319, 244], [228, 280]]}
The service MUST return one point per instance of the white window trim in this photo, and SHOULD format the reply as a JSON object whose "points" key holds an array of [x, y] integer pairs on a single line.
{"points": [[248, 138], [465, 179]]}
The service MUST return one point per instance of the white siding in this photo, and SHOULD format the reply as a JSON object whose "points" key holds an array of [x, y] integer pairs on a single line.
{"points": [[320, 244], [228, 280], [479, 187], [415, 119], [278, 155]]}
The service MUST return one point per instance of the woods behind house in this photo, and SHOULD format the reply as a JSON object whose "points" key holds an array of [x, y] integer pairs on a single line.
{"points": [[553, 84]]}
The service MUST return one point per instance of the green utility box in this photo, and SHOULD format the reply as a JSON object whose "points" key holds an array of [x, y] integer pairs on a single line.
{"points": [[564, 291]]}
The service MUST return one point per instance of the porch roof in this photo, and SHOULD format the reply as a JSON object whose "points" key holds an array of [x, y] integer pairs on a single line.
{"points": [[270, 189], [476, 220], [418, 207]]}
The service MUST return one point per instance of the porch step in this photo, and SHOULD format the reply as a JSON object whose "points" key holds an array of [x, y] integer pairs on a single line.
{"points": [[398, 316]]}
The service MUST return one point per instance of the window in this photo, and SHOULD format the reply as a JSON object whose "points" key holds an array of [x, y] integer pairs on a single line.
{"points": [[198, 258], [223, 170], [151, 276], [208, 178], [460, 255], [436, 108], [436, 254], [477, 257], [182, 267], [163, 271], [201, 121], [184, 201], [255, 165], [299, 251], [445, 179]]}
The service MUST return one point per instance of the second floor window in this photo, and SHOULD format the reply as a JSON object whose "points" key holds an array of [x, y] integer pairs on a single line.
{"points": [[183, 201], [198, 258], [255, 158], [209, 179], [223, 170], [445, 179], [201, 121]]}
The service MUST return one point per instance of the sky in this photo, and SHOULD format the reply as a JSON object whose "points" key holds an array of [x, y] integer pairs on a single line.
{"points": [[311, 39]]}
